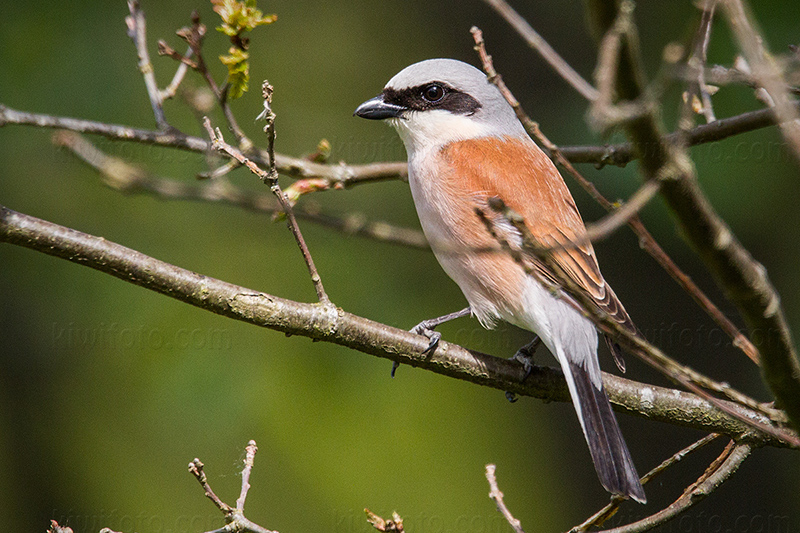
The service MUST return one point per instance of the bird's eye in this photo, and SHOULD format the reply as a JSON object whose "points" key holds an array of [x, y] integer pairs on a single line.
{"points": [[433, 92]]}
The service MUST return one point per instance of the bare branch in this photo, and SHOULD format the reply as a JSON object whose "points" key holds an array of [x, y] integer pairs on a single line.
{"points": [[547, 52], [130, 179], [742, 279], [609, 510], [250, 455], [235, 521], [196, 469], [271, 179], [170, 90], [719, 471], [581, 301], [343, 175], [497, 496], [137, 32], [697, 63], [340, 327]]}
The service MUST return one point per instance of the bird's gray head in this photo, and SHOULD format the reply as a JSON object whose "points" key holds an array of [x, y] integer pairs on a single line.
{"points": [[437, 101]]}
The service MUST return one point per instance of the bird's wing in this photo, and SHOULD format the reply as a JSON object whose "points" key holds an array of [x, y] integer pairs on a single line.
{"points": [[533, 188]]}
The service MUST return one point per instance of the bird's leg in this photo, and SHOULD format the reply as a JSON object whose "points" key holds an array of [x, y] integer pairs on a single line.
{"points": [[426, 328], [525, 356]]}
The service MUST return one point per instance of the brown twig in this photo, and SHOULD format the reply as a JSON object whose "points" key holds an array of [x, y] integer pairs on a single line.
{"points": [[646, 240], [351, 331], [250, 455], [137, 32], [172, 89], [535, 41], [717, 473], [271, 179], [130, 179], [394, 525], [235, 521], [497, 496], [764, 70], [196, 469], [697, 63], [610, 509]]}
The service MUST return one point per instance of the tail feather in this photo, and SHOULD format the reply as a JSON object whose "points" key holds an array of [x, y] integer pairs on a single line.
{"points": [[610, 454]]}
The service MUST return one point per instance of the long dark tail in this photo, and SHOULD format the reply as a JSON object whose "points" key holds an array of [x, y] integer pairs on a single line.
{"points": [[610, 454]]}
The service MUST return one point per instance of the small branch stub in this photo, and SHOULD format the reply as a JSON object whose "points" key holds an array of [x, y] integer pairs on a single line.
{"points": [[395, 525]]}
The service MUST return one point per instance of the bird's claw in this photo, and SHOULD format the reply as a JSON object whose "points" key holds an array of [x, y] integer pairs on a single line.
{"points": [[525, 356], [433, 336]]}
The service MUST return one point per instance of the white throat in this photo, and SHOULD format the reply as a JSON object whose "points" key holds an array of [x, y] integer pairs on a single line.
{"points": [[434, 128]]}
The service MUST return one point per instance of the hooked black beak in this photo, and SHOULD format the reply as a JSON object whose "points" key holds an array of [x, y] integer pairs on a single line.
{"points": [[377, 109]]}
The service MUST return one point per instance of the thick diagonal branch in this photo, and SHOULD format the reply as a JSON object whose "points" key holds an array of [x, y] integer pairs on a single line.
{"points": [[742, 278], [323, 322]]}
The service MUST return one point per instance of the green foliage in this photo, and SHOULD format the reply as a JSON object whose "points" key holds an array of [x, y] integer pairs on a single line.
{"points": [[237, 18], [238, 71]]}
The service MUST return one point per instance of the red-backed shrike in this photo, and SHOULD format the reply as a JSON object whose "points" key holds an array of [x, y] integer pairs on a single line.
{"points": [[466, 147]]}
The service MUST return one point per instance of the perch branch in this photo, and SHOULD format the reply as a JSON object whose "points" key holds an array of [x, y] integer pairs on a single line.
{"points": [[337, 326], [678, 373]]}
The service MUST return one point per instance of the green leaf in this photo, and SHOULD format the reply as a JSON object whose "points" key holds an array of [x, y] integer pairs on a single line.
{"points": [[238, 17], [238, 71]]}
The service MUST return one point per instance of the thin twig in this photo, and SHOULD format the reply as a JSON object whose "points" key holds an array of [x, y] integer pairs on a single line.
{"points": [[250, 455], [764, 69], [717, 473], [171, 90], [235, 521], [535, 41], [351, 331], [622, 215], [349, 175], [610, 509], [271, 179], [697, 62], [646, 240], [267, 177], [497, 496], [196, 468], [129, 179], [137, 32]]}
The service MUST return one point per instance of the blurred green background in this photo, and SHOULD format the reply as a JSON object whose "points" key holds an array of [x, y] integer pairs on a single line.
{"points": [[107, 390]]}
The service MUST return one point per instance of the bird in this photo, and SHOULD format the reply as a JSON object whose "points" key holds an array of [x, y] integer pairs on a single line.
{"points": [[466, 152]]}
